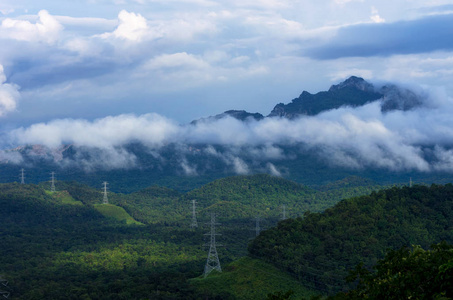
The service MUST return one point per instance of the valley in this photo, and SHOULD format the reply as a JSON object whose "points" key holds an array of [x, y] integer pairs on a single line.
{"points": [[66, 244]]}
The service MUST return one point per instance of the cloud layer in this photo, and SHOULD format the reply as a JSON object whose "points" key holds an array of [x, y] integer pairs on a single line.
{"points": [[350, 137], [107, 79], [406, 37]]}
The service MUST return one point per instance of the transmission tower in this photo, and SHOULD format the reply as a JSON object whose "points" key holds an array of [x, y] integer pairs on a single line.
{"points": [[194, 216], [22, 177], [52, 186], [212, 263], [3, 293], [105, 200], [257, 226], [284, 212]]}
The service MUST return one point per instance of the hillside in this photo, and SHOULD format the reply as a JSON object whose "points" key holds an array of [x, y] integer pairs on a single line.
{"points": [[50, 237], [57, 250], [116, 213], [319, 248], [265, 195], [249, 279]]}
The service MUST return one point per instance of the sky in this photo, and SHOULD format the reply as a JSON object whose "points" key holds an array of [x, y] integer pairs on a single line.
{"points": [[71, 71]]}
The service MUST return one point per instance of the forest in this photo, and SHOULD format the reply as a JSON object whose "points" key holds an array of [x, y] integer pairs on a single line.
{"points": [[68, 245]]}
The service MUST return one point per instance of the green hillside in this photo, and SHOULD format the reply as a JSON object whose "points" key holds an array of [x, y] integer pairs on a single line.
{"points": [[249, 279], [64, 197], [52, 250], [53, 241], [265, 195], [320, 248], [115, 212]]}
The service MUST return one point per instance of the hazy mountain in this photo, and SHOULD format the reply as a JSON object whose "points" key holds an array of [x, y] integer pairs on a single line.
{"points": [[241, 115], [135, 152], [354, 91]]}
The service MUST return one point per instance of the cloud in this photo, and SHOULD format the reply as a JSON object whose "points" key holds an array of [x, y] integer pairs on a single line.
{"points": [[273, 170], [132, 27], [12, 157], [384, 39], [151, 129], [47, 29], [350, 137], [177, 60], [9, 95]]}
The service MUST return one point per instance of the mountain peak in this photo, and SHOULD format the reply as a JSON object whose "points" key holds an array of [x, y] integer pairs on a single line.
{"points": [[241, 115], [354, 91], [354, 82]]}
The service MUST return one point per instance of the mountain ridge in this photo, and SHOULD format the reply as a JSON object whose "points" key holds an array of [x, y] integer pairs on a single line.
{"points": [[353, 91]]}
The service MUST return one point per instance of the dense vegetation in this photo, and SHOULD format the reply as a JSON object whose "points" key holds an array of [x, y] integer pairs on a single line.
{"points": [[66, 245], [406, 274], [55, 250], [248, 278], [319, 249]]}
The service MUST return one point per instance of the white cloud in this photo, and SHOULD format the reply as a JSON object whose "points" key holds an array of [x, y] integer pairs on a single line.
{"points": [[132, 27], [151, 129], [177, 60], [47, 29], [273, 170], [375, 16], [9, 94], [360, 137], [240, 167]]}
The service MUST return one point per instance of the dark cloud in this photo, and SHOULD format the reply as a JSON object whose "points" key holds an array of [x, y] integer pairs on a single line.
{"points": [[429, 34]]}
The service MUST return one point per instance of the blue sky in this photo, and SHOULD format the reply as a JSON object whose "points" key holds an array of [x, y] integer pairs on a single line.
{"points": [[186, 59], [89, 65]]}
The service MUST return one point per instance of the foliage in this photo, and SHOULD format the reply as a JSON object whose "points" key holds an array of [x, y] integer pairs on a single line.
{"points": [[57, 245], [406, 274], [319, 248], [248, 278], [115, 212]]}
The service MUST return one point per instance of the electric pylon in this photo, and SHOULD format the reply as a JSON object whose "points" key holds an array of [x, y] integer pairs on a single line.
{"points": [[257, 226], [105, 200], [194, 216], [283, 212], [212, 263], [4, 282], [52, 186], [22, 177]]}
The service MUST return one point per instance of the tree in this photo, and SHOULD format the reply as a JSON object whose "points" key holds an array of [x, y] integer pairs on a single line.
{"points": [[406, 274]]}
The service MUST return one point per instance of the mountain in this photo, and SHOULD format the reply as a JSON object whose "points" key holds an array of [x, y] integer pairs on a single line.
{"points": [[354, 91], [187, 163], [53, 241], [240, 115], [320, 248], [59, 245]]}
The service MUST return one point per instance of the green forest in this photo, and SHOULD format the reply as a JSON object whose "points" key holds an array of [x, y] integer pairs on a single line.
{"points": [[68, 245]]}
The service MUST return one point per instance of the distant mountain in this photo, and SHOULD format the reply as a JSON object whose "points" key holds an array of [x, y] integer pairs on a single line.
{"points": [[187, 165], [240, 115], [354, 91]]}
